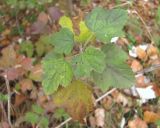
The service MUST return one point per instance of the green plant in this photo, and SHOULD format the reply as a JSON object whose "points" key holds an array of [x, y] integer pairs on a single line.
{"points": [[3, 97], [158, 16], [66, 69], [27, 48], [158, 123], [30, 4], [36, 117]]}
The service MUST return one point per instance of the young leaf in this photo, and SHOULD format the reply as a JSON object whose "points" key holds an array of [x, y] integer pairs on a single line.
{"points": [[91, 59], [158, 16], [85, 33], [106, 23], [3, 97], [27, 48], [32, 117], [63, 41], [37, 109], [60, 113], [56, 72], [66, 22], [44, 122], [117, 73], [43, 45], [76, 99]]}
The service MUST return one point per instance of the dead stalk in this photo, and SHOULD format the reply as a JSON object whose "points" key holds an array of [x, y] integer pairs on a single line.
{"points": [[9, 100]]}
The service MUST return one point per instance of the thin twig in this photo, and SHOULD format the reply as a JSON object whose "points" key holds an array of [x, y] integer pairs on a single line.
{"points": [[63, 123], [149, 69], [97, 100], [145, 25], [4, 112], [9, 99], [121, 5], [104, 95]]}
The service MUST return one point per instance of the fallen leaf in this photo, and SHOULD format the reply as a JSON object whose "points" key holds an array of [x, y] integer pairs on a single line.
{"points": [[8, 58], [43, 17], [156, 88], [137, 123], [107, 102], [4, 42], [136, 66], [54, 13], [5, 125], [20, 98], [6, 32], [141, 81], [76, 99], [36, 73], [141, 54], [39, 27], [151, 117], [152, 50], [100, 117], [92, 121], [26, 84], [25, 62], [14, 73], [122, 99]]}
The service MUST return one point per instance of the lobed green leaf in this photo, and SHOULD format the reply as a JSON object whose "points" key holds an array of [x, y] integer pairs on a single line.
{"points": [[56, 72], [92, 59], [117, 73], [106, 24], [63, 41]]}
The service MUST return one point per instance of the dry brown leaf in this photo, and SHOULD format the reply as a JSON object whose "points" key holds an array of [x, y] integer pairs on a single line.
{"points": [[26, 84], [20, 98], [136, 66], [151, 117], [92, 121], [152, 52], [40, 26], [24, 62], [14, 73], [107, 103], [20, 66], [137, 123], [43, 17], [76, 99], [6, 32], [8, 58], [100, 117], [156, 89], [36, 73], [122, 41], [141, 54], [120, 98], [4, 125], [54, 13], [4, 42], [140, 81]]}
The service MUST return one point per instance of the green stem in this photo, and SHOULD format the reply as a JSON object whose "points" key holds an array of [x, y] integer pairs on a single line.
{"points": [[88, 40]]}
